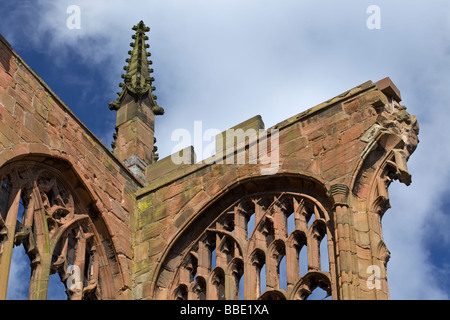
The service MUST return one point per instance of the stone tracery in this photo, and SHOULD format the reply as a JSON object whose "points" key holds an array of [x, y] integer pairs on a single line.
{"points": [[55, 229], [244, 252]]}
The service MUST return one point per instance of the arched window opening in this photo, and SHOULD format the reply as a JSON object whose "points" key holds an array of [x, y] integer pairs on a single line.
{"points": [[272, 295], [262, 280], [227, 250], [277, 271], [191, 267], [268, 230], [324, 258], [5, 195], [319, 294], [310, 216], [198, 291], [317, 232], [313, 286], [19, 276], [241, 287], [207, 254], [237, 279], [258, 273], [250, 225], [41, 215], [218, 285], [290, 223], [303, 261], [282, 271], [228, 223], [56, 288], [213, 258], [181, 293], [279, 239]]}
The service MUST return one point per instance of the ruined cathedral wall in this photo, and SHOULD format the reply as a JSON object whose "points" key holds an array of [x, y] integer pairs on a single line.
{"points": [[35, 125], [335, 146]]}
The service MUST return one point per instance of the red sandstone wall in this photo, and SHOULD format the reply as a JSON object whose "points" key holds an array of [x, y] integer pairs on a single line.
{"points": [[34, 122], [327, 144], [337, 143]]}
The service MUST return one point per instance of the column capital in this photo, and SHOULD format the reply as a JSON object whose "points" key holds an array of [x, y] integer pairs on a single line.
{"points": [[339, 194]]}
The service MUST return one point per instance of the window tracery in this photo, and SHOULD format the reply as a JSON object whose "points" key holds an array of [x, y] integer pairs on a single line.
{"points": [[243, 252], [55, 229]]}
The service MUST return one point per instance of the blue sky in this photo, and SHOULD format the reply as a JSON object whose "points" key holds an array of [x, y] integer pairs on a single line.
{"points": [[222, 62]]}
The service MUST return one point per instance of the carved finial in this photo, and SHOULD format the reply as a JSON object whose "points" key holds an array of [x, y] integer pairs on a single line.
{"points": [[137, 80]]}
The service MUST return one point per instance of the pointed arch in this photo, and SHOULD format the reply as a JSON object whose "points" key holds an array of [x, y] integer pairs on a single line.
{"points": [[252, 260], [61, 230]]}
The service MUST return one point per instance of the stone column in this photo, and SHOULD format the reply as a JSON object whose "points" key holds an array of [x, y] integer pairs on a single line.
{"points": [[8, 243], [345, 244], [293, 266], [204, 259]]}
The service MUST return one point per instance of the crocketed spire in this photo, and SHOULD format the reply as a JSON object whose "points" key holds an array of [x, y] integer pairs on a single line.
{"points": [[137, 80]]}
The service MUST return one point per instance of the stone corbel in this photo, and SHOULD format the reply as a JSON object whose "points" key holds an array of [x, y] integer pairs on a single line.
{"points": [[400, 166], [339, 195]]}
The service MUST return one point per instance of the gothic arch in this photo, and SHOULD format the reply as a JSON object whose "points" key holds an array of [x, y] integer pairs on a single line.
{"points": [[390, 142], [383, 161], [235, 272], [273, 295], [61, 229], [309, 282], [216, 287], [271, 199]]}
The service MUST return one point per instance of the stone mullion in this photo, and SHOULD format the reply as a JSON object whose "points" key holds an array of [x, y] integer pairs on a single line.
{"points": [[248, 282], [345, 246], [252, 283], [259, 211], [272, 280], [313, 248], [280, 222], [300, 215], [221, 258], [232, 282], [280, 231], [40, 276], [240, 223], [80, 257], [204, 259], [42, 262], [292, 263], [8, 243], [229, 286]]}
